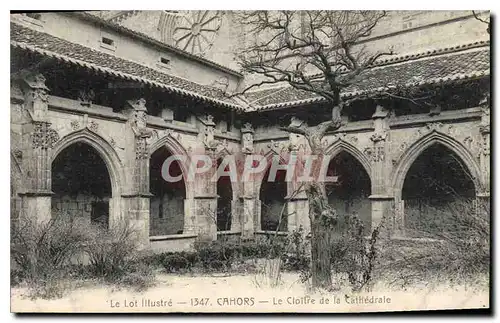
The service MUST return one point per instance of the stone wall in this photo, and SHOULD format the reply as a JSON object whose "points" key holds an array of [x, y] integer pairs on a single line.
{"points": [[79, 208], [171, 220]]}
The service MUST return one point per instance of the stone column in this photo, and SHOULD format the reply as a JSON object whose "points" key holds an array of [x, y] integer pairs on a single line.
{"points": [[298, 210], [250, 203], [37, 143], [236, 214], [381, 196], [485, 156], [205, 190], [297, 202], [138, 199], [485, 153]]}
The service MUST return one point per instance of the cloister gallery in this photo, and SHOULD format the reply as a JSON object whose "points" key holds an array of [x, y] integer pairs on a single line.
{"points": [[100, 100]]}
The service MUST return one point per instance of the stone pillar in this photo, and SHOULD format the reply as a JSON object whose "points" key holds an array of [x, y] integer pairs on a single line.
{"points": [[139, 198], [250, 217], [381, 195], [37, 142], [205, 190], [298, 210], [483, 196], [485, 155], [236, 215]]}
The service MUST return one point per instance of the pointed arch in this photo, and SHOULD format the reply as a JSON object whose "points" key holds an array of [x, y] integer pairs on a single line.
{"points": [[235, 187], [258, 180], [175, 148], [104, 149], [272, 196], [342, 145], [351, 193], [435, 137]]}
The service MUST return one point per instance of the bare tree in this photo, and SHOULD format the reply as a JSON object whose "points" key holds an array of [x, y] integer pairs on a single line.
{"points": [[484, 21], [317, 52]]}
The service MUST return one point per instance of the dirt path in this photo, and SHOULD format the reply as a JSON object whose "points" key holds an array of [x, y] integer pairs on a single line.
{"points": [[241, 293]]}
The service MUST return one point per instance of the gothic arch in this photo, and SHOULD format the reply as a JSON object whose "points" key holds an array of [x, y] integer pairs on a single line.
{"points": [[411, 154], [105, 150], [175, 148], [258, 180], [341, 145], [275, 198], [235, 187]]}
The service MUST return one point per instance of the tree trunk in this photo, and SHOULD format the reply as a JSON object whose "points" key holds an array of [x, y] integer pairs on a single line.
{"points": [[320, 257], [320, 215]]}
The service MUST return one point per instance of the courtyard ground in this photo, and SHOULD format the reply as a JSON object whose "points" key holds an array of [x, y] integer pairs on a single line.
{"points": [[250, 293]]}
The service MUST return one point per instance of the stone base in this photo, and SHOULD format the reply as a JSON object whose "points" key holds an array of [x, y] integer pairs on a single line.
{"points": [[382, 213], [137, 217], [36, 207], [299, 215]]}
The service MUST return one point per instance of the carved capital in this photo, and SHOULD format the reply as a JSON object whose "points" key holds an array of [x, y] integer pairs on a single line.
{"points": [[209, 133], [247, 142], [34, 87], [138, 114], [75, 125]]}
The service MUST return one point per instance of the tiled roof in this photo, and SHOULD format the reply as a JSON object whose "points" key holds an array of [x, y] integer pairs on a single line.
{"points": [[45, 44], [134, 33], [432, 67], [438, 66]]}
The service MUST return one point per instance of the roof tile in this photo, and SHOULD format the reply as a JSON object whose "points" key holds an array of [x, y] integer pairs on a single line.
{"points": [[436, 69], [42, 42]]}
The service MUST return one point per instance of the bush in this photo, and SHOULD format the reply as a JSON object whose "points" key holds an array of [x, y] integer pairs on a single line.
{"points": [[352, 255], [43, 255], [112, 252], [216, 255], [223, 255], [460, 252], [42, 252], [297, 257], [179, 262], [139, 277]]}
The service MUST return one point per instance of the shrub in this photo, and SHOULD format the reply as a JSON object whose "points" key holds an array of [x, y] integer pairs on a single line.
{"points": [[460, 252], [179, 262], [43, 250], [352, 255], [112, 252], [216, 255], [297, 255], [139, 277]]}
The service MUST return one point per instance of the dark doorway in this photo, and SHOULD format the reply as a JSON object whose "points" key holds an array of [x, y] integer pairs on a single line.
{"points": [[350, 194], [436, 183], [81, 185], [273, 198], [167, 203], [224, 201]]}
